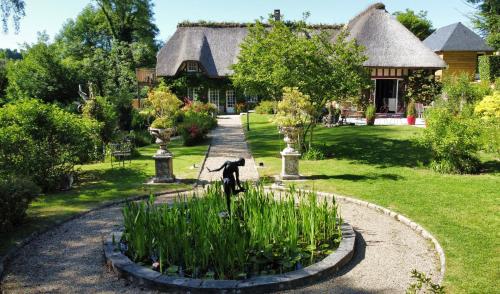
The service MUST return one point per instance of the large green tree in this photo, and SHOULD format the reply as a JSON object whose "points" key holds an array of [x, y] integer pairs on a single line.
{"points": [[417, 23], [130, 21], [88, 31], [14, 9], [284, 54], [41, 74], [487, 20]]}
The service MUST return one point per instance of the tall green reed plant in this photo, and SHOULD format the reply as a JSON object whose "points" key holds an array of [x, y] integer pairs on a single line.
{"points": [[265, 233]]}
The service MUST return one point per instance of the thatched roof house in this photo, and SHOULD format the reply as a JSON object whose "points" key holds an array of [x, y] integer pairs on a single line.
{"points": [[392, 52], [459, 47]]}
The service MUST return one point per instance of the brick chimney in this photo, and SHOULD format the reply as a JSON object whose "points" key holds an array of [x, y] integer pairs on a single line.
{"points": [[277, 15]]}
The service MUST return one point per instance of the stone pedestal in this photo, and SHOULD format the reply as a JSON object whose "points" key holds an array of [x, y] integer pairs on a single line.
{"points": [[163, 167], [290, 165]]}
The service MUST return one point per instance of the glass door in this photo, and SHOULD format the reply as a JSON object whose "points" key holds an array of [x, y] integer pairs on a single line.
{"points": [[230, 101], [213, 97]]}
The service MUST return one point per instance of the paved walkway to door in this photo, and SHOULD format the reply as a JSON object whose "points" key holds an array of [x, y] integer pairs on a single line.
{"points": [[228, 143]]}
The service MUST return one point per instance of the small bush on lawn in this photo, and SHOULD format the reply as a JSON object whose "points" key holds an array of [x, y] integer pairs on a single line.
{"points": [[15, 196], [195, 127], [266, 107], [316, 152], [44, 142], [454, 140]]}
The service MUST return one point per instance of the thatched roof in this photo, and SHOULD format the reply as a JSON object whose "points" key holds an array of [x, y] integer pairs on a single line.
{"points": [[388, 43], [216, 46], [456, 37]]}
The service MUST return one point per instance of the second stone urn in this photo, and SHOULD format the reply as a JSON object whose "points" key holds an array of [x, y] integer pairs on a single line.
{"points": [[290, 156], [163, 158]]}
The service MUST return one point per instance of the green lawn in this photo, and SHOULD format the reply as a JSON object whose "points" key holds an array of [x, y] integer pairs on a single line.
{"points": [[383, 165], [99, 183]]}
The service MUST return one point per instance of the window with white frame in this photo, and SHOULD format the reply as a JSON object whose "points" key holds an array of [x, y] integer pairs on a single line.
{"points": [[192, 93], [192, 66], [213, 96], [230, 99]]}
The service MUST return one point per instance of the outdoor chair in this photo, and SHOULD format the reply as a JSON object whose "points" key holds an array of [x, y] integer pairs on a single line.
{"points": [[419, 107], [120, 152]]}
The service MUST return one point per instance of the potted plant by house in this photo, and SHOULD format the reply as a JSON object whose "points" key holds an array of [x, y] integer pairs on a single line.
{"points": [[370, 115], [410, 113]]}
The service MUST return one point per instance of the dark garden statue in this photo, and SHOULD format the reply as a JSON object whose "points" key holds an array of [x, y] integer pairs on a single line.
{"points": [[231, 178]]}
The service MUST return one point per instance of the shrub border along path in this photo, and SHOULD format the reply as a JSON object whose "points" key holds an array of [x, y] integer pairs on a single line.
{"points": [[144, 276]]}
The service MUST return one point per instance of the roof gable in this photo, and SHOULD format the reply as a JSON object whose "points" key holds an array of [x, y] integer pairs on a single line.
{"points": [[456, 37], [388, 43], [215, 48]]}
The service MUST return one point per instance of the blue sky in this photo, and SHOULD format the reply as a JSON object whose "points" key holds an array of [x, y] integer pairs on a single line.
{"points": [[49, 15]]}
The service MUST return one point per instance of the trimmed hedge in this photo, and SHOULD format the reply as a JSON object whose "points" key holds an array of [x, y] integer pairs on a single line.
{"points": [[489, 67]]}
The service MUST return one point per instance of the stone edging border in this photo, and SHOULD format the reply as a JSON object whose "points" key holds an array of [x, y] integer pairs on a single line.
{"points": [[147, 277], [401, 218], [12, 252]]}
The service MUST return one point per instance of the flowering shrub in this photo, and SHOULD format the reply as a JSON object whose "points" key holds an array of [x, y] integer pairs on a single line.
{"points": [[200, 107], [195, 127], [489, 107]]}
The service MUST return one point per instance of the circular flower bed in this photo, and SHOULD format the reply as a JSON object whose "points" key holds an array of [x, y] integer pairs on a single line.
{"points": [[264, 234]]}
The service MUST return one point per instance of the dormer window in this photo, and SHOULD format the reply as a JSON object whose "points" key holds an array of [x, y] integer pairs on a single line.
{"points": [[192, 66]]}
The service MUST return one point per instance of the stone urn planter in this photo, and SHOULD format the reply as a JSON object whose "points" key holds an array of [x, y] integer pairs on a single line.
{"points": [[290, 156], [163, 157]]}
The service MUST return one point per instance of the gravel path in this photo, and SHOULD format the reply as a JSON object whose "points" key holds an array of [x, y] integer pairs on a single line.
{"points": [[69, 259], [228, 143]]}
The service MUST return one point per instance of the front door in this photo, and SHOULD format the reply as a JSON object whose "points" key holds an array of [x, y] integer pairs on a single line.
{"points": [[386, 95], [230, 101]]}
